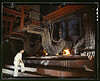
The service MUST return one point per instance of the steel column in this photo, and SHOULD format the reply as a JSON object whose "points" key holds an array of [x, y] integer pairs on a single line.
{"points": [[22, 18], [11, 26], [6, 27]]}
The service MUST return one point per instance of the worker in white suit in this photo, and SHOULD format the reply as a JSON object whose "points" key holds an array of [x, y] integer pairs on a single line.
{"points": [[18, 62]]}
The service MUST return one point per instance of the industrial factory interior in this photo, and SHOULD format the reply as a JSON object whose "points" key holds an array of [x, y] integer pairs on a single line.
{"points": [[58, 39]]}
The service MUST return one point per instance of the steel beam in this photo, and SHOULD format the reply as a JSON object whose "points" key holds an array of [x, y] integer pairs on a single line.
{"points": [[36, 12], [13, 12], [59, 6], [17, 33], [10, 19], [34, 22], [63, 11]]}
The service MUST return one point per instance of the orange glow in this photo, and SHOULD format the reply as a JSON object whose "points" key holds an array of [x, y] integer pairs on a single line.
{"points": [[57, 54], [45, 53], [66, 52]]}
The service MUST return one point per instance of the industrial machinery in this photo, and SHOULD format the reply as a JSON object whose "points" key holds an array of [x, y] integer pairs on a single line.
{"points": [[53, 34]]}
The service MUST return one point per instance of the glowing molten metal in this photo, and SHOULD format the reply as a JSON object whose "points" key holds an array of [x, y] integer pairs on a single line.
{"points": [[45, 52], [66, 52]]}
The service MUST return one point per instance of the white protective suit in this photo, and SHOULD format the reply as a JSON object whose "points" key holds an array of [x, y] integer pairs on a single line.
{"points": [[18, 62]]}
